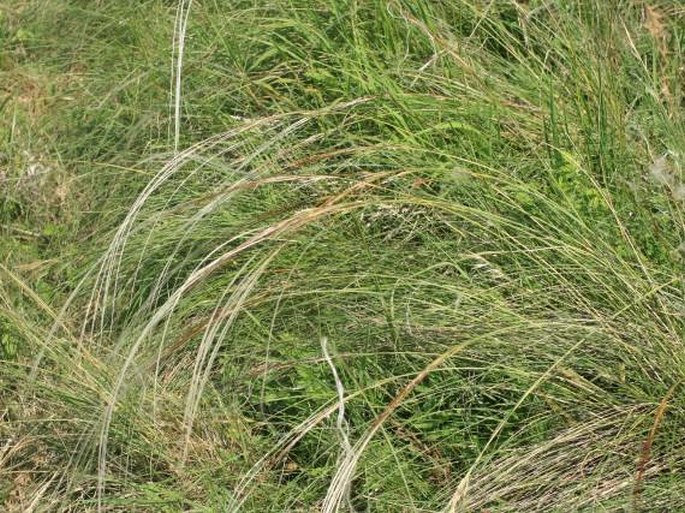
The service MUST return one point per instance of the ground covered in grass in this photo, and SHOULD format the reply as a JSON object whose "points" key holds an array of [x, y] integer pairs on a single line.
{"points": [[342, 255]]}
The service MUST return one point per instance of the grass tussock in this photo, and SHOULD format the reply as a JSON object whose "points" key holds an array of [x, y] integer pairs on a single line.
{"points": [[342, 256]]}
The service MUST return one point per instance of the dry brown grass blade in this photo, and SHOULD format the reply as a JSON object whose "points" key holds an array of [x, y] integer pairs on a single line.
{"points": [[646, 453], [653, 22], [340, 483]]}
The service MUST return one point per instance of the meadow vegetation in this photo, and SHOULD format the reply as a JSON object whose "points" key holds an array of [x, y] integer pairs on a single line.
{"points": [[342, 255]]}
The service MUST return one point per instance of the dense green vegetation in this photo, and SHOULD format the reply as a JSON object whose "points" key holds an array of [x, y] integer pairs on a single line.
{"points": [[342, 255]]}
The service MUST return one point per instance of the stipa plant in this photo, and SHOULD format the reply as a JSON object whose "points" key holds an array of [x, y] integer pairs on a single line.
{"points": [[412, 274], [532, 323]]}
